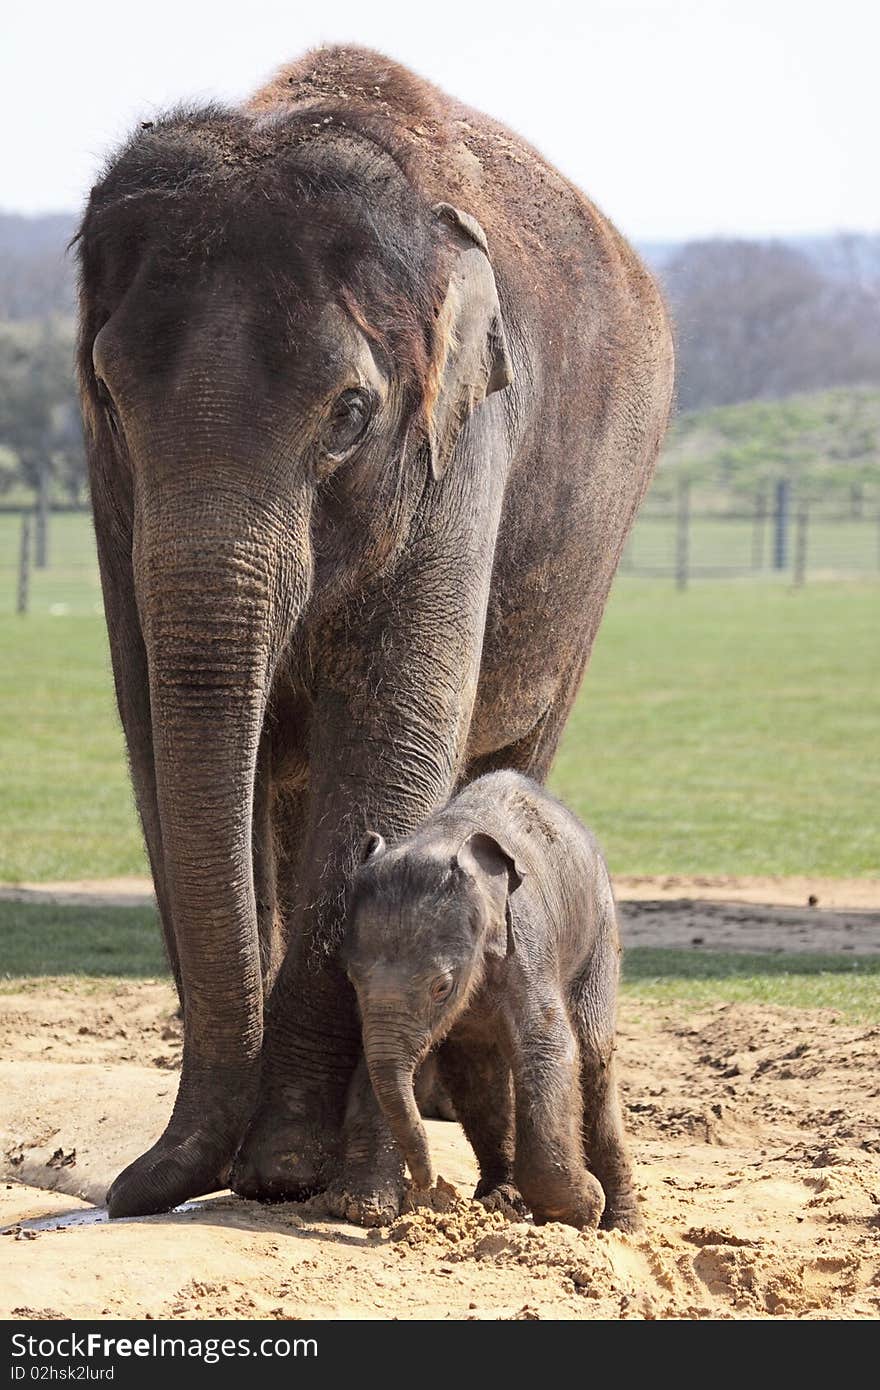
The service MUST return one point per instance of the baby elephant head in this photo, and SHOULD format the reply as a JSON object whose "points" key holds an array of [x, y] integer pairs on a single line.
{"points": [[425, 915]]}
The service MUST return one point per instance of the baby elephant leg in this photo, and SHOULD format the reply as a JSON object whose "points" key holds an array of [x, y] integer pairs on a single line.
{"points": [[604, 1143], [477, 1078], [550, 1170], [603, 1134]]}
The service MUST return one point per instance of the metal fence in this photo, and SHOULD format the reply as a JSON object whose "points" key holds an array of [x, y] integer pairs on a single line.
{"points": [[776, 533], [48, 562]]}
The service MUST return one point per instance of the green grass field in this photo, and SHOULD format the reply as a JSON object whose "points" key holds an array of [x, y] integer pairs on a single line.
{"points": [[40, 939], [847, 984], [732, 729]]}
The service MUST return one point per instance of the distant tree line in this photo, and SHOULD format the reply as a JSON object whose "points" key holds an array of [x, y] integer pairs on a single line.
{"points": [[755, 320], [37, 278], [762, 320]]}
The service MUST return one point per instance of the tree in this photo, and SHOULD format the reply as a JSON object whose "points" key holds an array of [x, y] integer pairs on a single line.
{"points": [[39, 412], [762, 320]]}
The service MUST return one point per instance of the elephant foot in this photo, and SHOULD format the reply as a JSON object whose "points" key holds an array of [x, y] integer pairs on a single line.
{"points": [[377, 1202], [622, 1214], [371, 1186], [581, 1208], [503, 1197], [174, 1170], [284, 1158]]}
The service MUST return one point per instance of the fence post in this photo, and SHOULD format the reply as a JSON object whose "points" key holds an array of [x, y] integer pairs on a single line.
{"points": [[758, 527], [781, 518], [41, 556], [682, 533], [24, 566], [800, 543], [856, 501]]}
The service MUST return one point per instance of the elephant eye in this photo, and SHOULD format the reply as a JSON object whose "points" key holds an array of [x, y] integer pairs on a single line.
{"points": [[108, 405], [441, 988], [348, 421]]}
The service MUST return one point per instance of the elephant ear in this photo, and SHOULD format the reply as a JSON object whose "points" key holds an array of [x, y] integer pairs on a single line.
{"points": [[491, 864], [470, 355]]}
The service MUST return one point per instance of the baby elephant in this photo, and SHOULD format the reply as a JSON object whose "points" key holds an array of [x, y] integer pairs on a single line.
{"points": [[491, 930]]}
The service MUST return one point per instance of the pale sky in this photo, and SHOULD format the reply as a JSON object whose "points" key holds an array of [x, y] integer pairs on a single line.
{"points": [[679, 118]]}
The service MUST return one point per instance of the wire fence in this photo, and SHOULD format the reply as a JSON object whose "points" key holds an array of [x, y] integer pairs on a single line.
{"points": [[776, 533], [48, 562]]}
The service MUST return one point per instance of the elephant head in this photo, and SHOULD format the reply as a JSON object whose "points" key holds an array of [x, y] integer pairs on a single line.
{"points": [[280, 339], [426, 916]]}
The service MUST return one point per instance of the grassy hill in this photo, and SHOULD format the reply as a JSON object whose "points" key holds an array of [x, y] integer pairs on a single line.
{"points": [[828, 441]]}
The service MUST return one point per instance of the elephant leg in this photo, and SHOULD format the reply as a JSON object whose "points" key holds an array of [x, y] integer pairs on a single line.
{"points": [[289, 826], [604, 1143], [432, 1096], [533, 754], [292, 1146], [370, 1185], [549, 1166], [603, 1133], [293, 1143], [478, 1080]]}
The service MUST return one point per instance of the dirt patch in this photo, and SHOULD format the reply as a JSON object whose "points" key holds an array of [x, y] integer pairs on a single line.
{"points": [[755, 1132], [83, 892], [703, 924], [798, 891]]}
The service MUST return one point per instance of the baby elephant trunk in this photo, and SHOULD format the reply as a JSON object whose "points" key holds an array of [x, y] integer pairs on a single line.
{"points": [[392, 1068]]}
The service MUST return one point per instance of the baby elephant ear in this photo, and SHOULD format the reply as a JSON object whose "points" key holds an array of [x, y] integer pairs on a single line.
{"points": [[370, 845], [470, 358], [482, 856]]}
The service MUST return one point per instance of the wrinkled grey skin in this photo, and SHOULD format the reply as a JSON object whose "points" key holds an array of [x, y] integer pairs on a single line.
{"points": [[491, 930]]}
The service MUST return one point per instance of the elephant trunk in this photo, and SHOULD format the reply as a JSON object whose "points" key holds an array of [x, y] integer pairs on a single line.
{"points": [[220, 582], [392, 1057]]}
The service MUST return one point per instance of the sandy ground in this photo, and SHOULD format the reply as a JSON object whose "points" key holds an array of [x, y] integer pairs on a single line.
{"points": [[799, 891], [82, 892], [755, 1132]]}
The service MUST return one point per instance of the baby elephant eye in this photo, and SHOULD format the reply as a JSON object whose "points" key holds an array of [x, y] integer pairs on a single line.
{"points": [[441, 989], [348, 421]]}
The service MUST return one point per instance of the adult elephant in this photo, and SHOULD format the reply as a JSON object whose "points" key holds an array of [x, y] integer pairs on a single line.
{"points": [[371, 396]]}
